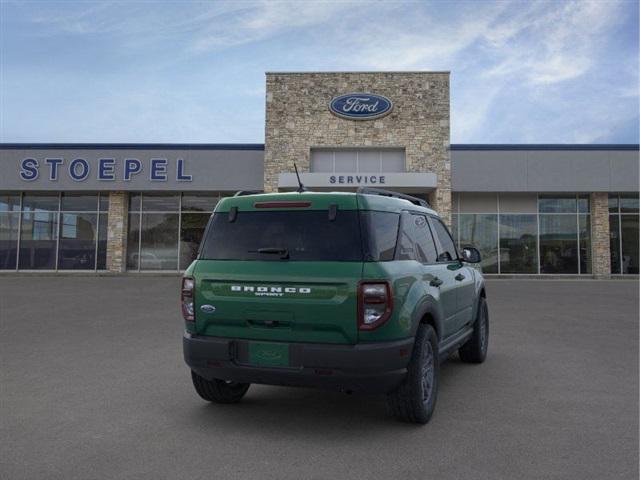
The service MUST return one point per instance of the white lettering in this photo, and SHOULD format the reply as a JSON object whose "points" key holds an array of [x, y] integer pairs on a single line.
{"points": [[272, 291], [354, 104]]}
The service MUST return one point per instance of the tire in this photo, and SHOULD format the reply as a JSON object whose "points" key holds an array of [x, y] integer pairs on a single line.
{"points": [[475, 349], [219, 391], [415, 399]]}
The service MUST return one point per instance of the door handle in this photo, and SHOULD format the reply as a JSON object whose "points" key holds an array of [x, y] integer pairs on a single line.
{"points": [[459, 277], [436, 282]]}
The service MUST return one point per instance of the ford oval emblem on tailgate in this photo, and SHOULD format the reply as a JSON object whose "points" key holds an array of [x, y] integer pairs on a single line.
{"points": [[208, 308]]}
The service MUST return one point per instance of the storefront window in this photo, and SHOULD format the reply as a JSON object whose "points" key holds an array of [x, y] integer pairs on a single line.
{"points": [[614, 242], [623, 233], [39, 231], [155, 202], [584, 236], [101, 260], [351, 160], [199, 202], [557, 204], [80, 225], [547, 234], [455, 220], [78, 234], [40, 202], [159, 241], [133, 239], [565, 234], [51, 231], [480, 231], [583, 204], [629, 237], [9, 224], [518, 244], [558, 244], [629, 203], [9, 228], [72, 202], [165, 229], [9, 202]]}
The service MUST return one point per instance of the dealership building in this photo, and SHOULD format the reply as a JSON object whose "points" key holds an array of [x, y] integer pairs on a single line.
{"points": [[530, 209]]}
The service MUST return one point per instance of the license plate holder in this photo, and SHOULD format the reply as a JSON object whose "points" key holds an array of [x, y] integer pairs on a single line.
{"points": [[266, 354]]}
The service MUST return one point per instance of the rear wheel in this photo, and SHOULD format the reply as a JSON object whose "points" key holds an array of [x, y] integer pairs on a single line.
{"points": [[219, 391], [415, 399], [475, 350]]}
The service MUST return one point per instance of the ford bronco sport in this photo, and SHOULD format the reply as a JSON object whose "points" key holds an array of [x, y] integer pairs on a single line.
{"points": [[360, 291]]}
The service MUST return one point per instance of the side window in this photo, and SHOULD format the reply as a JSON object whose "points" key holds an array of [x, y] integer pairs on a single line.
{"points": [[447, 250], [416, 242], [406, 243], [380, 234]]}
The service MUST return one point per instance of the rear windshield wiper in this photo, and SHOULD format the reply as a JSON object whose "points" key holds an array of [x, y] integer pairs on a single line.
{"points": [[283, 252]]}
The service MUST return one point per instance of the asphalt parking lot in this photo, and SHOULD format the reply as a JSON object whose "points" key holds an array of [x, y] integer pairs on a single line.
{"points": [[94, 387]]}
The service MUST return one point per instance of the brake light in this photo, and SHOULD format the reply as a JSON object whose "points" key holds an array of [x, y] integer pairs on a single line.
{"points": [[375, 304], [187, 295], [285, 204]]}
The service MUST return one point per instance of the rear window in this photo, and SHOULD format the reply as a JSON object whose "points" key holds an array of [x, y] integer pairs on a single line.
{"points": [[277, 235]]}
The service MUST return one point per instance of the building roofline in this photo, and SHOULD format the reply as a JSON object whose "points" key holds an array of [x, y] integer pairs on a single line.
{"points": [[132, 146], [544, 146], [260, 146], [442, 72]]}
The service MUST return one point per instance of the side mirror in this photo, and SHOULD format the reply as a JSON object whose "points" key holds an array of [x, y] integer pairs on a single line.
{"points": [[471, 255]]}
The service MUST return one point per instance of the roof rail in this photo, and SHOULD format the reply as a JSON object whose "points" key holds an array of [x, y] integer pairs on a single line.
{"points": [[389, 193], [242, 193]]}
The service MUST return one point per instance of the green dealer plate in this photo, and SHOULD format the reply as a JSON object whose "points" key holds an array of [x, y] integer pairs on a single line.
{"points": [[269, 354]]}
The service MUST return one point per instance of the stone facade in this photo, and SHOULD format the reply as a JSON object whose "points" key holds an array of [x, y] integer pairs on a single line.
{"points": [[298, 119], [600, 248], [117, 229]]}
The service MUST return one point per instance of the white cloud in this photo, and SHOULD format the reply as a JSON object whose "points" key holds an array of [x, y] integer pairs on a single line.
{"points": [[546, 43], [265, 19]]}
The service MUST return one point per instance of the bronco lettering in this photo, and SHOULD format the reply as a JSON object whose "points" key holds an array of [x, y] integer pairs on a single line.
{"points": [[275, 291]]}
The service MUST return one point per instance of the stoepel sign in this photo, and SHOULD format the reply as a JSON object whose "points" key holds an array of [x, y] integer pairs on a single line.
{"points": [[107, 169], [360, 106]]}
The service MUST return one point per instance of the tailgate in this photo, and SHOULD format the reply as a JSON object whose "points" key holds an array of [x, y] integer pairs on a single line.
{"points": [[278, 301]]}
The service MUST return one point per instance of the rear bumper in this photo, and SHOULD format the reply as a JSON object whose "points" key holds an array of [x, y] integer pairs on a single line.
{"points": [[369, 367]]}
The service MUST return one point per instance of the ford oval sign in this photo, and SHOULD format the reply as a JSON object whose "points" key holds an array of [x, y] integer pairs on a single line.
{"points": [[360, 106]]}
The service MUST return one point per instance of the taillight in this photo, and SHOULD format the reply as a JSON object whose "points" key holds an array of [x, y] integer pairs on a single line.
{"points": [[375, 304], [187, 299]]}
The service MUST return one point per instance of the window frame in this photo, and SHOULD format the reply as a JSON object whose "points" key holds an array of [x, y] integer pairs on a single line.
{"points": [[439, 246], [179, 211], [98, 211], [358, 242], [365, 227], [538, 215], [357, 151], [619, 214], [405, 214]]}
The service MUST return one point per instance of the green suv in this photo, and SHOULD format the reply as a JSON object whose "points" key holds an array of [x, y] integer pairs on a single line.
{"points": [[360, 291]]}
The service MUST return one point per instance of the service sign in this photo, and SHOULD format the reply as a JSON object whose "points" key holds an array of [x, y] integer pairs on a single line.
{"points": [[360, 106]]}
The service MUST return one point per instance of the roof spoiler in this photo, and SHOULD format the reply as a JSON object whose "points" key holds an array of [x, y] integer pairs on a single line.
{"points": [[242, 193], [389, 193]]}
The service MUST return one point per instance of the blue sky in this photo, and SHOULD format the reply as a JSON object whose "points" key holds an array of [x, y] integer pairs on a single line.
{"points": [[521, 72]]}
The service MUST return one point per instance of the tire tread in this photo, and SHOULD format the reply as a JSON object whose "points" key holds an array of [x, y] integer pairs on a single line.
{"points": [[217, 390]]}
